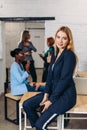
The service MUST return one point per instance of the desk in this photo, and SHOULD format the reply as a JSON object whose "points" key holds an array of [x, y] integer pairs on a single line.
{"points": [[81, 83], [79, 108], [26, 96], [82, 74], [81, 105]]}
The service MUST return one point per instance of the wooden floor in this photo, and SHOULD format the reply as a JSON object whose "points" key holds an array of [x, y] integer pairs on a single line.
{"points": [[6, 125]]}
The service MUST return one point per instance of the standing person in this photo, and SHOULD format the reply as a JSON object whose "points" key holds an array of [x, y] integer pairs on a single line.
{"points": [[60, 93], [47, 54], [27, 47], [18, 76]]}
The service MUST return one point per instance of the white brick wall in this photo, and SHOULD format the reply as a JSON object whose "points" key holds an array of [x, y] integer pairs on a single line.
{"points": [[72, 13], [1, 41], [2, 58], [70, 9]]}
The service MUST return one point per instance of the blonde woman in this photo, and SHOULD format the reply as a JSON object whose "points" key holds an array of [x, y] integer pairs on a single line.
{"points": [[60, 94]]}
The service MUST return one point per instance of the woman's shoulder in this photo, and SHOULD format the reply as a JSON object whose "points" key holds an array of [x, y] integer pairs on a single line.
{"points": [[20, 44], [14, 68], [30, 43], [14, 64], [51, 48], [69, 54]]}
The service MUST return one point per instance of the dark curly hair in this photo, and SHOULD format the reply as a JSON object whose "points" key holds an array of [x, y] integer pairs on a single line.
{"points": [[15, 52]]}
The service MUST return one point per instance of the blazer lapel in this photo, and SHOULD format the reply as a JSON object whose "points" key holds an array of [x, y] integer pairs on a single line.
{"points": [[60, 57]]}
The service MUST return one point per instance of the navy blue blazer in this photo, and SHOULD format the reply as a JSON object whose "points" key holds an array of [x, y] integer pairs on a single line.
{"points": [[60, 84]]}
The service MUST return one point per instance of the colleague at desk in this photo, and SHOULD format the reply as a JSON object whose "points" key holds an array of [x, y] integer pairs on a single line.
{"points": [[60, 94], [18, 76]]}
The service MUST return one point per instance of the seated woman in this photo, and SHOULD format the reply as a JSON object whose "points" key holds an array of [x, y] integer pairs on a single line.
{"points": [[18, 76], [60, 93]]}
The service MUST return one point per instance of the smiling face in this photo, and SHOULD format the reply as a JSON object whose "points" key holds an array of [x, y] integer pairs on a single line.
{"points": [[64, 39], [61, 40]]}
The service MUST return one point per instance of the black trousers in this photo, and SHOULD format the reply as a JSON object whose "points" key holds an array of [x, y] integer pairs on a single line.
{"points": [[33, 71]]}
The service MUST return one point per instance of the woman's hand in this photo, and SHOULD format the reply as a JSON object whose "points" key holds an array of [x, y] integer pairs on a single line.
{"points": [[41, 55], [33, 84], [37, 85], [45, 98], [49, 58], [27, 53], [46, 105]]}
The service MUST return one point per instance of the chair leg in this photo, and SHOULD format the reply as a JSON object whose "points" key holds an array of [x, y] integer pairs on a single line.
{"points": [[66, 121], [62, 120], [59, 122], [5, 101], [25, 121], [20, 121], [17, 112], [15, 121]]}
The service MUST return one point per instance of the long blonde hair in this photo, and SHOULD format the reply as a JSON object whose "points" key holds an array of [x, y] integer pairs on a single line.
{"points": [[25, 36], [68, 32], [70, 45]]}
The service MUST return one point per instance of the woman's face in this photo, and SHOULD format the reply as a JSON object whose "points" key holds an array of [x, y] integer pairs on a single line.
{"points": [[48, 44], [20, 56], [28, 36], [61, 40]]}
